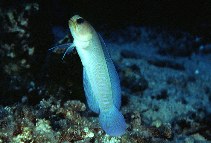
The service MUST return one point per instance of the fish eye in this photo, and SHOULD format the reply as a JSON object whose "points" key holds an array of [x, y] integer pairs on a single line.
{"points": [[80, 20]]}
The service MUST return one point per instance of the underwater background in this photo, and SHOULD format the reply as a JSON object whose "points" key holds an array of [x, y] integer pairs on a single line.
{"points": [[161, 50]]}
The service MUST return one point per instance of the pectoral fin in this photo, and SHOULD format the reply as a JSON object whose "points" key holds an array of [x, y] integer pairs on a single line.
{"points": [[67, 46]]}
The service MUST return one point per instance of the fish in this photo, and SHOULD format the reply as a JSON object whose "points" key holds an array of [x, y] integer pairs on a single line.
{"points": [[100, 78]]}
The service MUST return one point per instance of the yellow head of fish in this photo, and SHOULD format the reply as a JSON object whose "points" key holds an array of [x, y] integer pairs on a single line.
{"points": [[80, 28]]}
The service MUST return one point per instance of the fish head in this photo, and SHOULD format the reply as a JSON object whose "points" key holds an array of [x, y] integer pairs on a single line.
{"points": [[80, 29]]}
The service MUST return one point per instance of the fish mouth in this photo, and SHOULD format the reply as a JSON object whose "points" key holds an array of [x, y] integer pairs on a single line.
{"points": [[72, 24]]}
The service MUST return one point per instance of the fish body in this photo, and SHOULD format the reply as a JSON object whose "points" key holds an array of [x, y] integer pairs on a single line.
{"points": [[100, 79]]}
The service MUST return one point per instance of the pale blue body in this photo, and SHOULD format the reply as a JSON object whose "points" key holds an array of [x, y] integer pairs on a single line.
{"points": [[101, 83], [102, 86]]}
